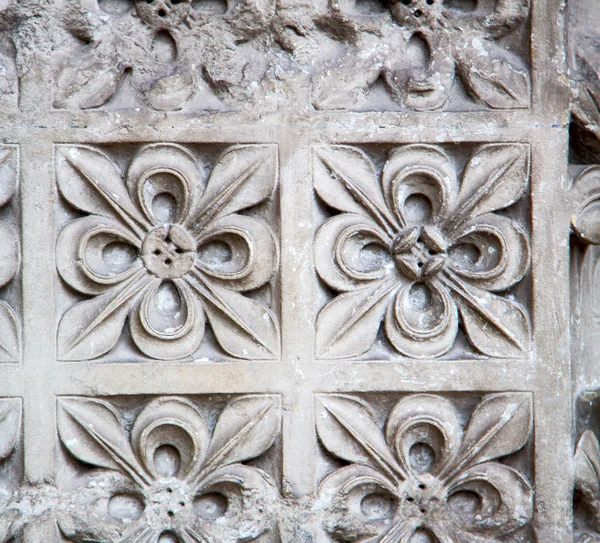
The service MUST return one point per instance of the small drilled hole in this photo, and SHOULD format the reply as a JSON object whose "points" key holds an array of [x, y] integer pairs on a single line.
{"points": [[168, 262], [410, 499], [418, 13], [421, 486], [170, 513], [430, 2], [162, 13], [157, 252], [407, 2], [423, 510]]}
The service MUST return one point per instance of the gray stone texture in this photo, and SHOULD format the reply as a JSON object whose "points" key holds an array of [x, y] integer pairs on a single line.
{"points": [[313, 271]]}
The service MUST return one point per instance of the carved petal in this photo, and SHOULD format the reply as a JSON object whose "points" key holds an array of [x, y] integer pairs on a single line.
{"points": [[501, 425], [587, 472], [87, 81], [491, 251], [94, 253], [84, 513], [10, 425], [348, 325], [493, 76], [92, 328], [495, 326], [233, 504], [423, 171], [9, 253], [168, 322], [505, 500], [359, 503], [423, 419], [238, 252], [10, 333], [423, 321], [172, 92], [244, 327], [349, 430], [173, 422], [586, 193], [345, 179], [92, 431], [496, 177], [163, 180], [244, 176], [246, 428], [89, 180], [351, 251], [9, 157]]}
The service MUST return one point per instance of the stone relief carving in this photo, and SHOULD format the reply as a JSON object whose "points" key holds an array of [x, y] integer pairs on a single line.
{"points": [[167, 252], [10, 431], [171, 50], [415, 250], [417, 48], [168, 478], [428, 476], [9, 79], [9, 253]]}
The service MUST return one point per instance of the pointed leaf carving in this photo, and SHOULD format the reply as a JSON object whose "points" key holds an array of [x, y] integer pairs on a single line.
{"points": [[495, 177], [89, 180], [92, 432], [9, 333], [345, 179], [348, 325], [9, 158], [495, 326], [349, 430], [500, 425], [243, 177], [246, 428], [10, 425], [92, 328], [494, 81]]}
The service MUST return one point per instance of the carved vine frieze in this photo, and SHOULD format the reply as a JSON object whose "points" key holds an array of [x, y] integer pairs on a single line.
{"points": [[421, 250], [166, 250], [418, 48], [10, 432], [167, 476], [428, 476], [171, 51]]}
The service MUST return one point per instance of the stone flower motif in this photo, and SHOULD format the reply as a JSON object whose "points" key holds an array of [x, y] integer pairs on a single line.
{"points": [[167, 252], [427, 478], [10, 256], [171, 51], [419, 47], [414, 250], [169, 479], [10, 430]]}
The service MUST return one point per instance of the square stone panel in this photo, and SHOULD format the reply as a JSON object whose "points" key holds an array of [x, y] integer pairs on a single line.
{"points": [[422, 251], [424, 467], [180, 242], [168, 468]]}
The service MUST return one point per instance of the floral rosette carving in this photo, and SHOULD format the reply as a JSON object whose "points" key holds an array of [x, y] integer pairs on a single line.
{"points": [[169, 479], [173, 50], [427, 478], [167, 251], [10, 430], [10, 256], [415, 251], [419, 47]]}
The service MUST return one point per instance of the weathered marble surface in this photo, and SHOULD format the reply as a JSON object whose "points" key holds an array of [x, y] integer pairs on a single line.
{"points": [[299, 271]]}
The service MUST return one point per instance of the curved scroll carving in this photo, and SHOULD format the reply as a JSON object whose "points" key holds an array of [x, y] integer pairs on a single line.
{"points": [[413, 250], [426, 478], [169, 478], [418, 47], [10, 430], [167, 252], [175, 50]]}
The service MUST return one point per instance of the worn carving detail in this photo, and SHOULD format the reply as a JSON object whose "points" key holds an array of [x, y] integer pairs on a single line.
{"points": [[425, 478], [175, 50], [169, 478], [416, 48], [10, 430], [586, 205], [414, 250], [167, 252], [9, 256], [587, 483]]}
